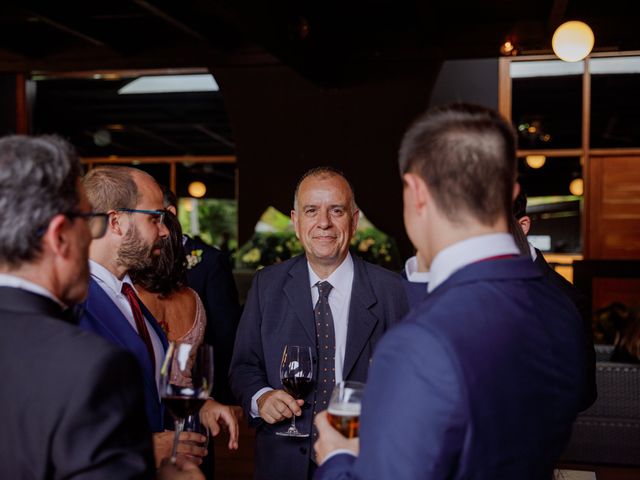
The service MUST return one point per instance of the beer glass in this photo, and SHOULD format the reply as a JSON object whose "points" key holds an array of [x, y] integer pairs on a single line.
{"points": [[344, 408]]}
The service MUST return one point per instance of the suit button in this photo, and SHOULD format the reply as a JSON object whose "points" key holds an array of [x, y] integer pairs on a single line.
{"points": [[303, 450]]}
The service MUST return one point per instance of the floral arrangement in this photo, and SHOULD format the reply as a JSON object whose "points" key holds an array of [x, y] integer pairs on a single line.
{"points": [[194, 258]]}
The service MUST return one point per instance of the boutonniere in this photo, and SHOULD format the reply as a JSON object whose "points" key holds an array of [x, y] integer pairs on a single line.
{"points": [[194, 258]]}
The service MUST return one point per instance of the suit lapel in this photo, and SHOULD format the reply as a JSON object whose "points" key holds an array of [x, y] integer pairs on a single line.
{"points": [[154, 324], [362, 320], [298, 293], [101, 307]]}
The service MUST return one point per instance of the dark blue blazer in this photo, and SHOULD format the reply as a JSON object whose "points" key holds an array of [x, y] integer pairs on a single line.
{"points": [[481, 381], [279, 312], [104, 318]]}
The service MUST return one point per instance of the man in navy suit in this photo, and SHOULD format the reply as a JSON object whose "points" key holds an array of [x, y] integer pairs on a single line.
{"points": [[484, 378], [558, 281], [112, 310], [356, 301]]}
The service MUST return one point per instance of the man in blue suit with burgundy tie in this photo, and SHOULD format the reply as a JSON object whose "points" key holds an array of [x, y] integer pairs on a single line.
{"points": [[112, 309], [483, 379]]}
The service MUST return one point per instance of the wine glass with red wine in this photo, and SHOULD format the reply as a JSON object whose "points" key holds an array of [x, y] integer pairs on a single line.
{"points": [[296, 374], [186, 379]]}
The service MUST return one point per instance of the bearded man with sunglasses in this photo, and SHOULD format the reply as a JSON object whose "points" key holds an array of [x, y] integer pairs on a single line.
{"points": [[134, 232]]}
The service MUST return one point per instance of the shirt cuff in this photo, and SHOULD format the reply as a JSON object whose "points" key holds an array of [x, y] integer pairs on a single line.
{"points": [[255, 413], [338, 452]]}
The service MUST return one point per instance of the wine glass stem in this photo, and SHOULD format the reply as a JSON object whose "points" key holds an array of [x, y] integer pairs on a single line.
{"points": [[179, 426], [293, 422]]}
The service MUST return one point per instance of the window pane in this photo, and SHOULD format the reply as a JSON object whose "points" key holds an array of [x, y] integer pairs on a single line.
{"points": [[547, 104], [615, 105], [553, 207]]}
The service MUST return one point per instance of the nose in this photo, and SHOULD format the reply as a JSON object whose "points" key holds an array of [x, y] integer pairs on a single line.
{"points": [[324, 219], [163, 230]]}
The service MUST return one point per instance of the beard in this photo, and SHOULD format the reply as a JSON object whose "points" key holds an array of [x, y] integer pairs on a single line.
{"points": [[133, 253]]}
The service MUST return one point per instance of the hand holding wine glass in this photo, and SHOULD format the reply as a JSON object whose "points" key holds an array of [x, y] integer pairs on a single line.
{"points": [[185, 383], [296, 374]]}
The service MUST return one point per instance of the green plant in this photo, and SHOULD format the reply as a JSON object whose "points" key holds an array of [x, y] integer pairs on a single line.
{"points": [[267, 248]]}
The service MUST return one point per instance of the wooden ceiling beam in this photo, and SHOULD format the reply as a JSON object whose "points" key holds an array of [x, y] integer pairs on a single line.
{"points": [[213, 135], [170, 19], [59, 25]]}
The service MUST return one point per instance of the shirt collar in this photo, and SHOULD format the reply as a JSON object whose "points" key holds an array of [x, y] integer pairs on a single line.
{"points": [[108, 278], [340, 279], [534, 254], [411, 270], [7, 280], [459, 255]]}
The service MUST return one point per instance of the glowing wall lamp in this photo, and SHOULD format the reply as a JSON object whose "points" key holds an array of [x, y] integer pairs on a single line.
{"points": [[576, 187], [536, 161], [572, 41], [197, 189]]}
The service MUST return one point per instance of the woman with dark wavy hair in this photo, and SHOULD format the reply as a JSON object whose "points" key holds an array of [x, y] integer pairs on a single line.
{"points": [[162, 287]]}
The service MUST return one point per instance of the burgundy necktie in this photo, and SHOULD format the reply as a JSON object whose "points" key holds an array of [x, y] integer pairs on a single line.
{"points": [[141, 325]]}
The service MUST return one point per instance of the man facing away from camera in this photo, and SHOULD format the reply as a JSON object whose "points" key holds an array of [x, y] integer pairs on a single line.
{"points": [[484, 377]]}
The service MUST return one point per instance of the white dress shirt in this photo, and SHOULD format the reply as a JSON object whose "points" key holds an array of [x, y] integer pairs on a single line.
{"points": [[339, 301], [412, 273], [113, 288], [7, 280], [459, 255]]}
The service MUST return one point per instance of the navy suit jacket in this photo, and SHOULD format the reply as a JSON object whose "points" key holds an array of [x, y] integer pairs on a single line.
{"points": [[584, 308], [481, 381], [279, 312], [104, 318], [213, 281]]}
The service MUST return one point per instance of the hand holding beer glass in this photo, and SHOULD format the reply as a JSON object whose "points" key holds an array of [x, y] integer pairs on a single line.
{"points": [[344, 408]]}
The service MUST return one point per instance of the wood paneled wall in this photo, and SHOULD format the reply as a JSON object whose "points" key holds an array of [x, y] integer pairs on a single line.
{"points": [[614, 208]]}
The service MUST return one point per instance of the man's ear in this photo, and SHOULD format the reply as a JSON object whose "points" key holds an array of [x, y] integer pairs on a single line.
{"points": [[416, 188], [56, 238], [172, 209], [525, 224], [294, 221], [114, 222]]}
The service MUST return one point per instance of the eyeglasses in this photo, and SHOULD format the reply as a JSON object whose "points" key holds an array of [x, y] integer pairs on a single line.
{"points": [[97, 222], [156, 215]]}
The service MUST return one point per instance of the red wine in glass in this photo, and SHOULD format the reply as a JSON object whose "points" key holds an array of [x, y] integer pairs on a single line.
{"points": [[296, 375]]}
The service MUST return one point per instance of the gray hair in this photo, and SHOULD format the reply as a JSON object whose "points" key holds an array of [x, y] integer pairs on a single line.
{"points": [[324, 171], [38, 180]]}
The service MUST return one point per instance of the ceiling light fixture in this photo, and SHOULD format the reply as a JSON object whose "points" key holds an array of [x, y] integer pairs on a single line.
{"points": [[171, 84], [572, 41]]}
